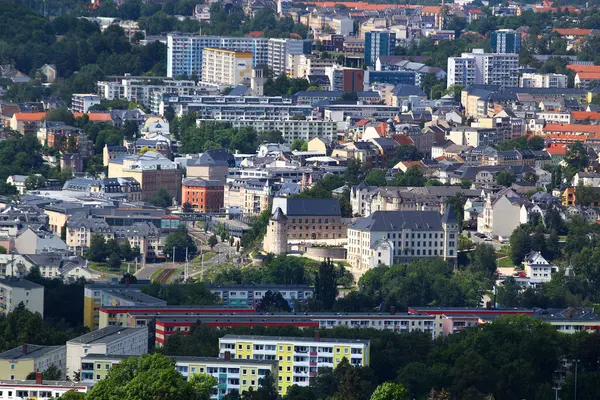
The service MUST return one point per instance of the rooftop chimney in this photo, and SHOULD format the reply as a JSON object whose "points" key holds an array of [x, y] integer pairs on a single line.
{"points": [[38, 378], [227, 355], [317, 335], [25, 349]]}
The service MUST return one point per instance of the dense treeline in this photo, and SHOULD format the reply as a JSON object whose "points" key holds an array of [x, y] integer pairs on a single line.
{"points": [[513, 358]]}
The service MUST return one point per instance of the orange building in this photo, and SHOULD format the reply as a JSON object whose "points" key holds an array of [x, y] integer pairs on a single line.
{"points": [[204, 195]]}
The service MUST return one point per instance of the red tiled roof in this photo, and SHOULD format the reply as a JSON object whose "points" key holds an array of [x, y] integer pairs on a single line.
{"points": [[583, 115], [571, 129], [403, 139], [589, 75], [96, 117], [572, 31], [254, 34], [557, 151], [584, 68], [362, 122], [29, 116]]}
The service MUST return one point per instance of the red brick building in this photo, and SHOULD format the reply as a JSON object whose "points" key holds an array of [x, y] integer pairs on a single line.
{"points": [[204, 195]]}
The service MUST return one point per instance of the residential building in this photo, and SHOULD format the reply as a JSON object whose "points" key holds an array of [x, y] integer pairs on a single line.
{"points": [[143, 235], [143, 89], [505, 41], [534, 80], [18, 181], [278, 51], [537, 268], [205, 196], [486, 68], [184, 52], [291, 129], [81, 230], [378, 43], [111, 340], [232, 374], [152, 170], [16, 291], [318, 22], [211, 165], [251, 295], [345, 79], [226, 67], [502, 214], [98, 295], [30, 241], [17, 363], [27, 123], [299, 358], [395, 237], [39, 389], [81, 102]]}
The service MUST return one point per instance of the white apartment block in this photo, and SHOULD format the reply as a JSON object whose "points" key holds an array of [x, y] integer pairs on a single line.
{"points": [[226, 67], [278, 51], [486, 68], [16, 291], [291, 129], [81, 102], [531, 80], [111, 340], [142, 90], [303, 65], [299, 358], [537, 268], [461, 71], [184, 52], [38, 389], [398, 237]]}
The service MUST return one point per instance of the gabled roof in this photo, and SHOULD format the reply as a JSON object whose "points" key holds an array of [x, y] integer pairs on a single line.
{"points": [[34, 116]]}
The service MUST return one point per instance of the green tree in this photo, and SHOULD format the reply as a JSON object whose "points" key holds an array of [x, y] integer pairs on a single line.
{"points": [[577, 157], [97, 250], [297, 144], [178, 242], [52, 373], [326, 284], [520, 243], [145, 377], [376, 177], [273, 302], [161, 199], [505, 178], [114, 261], [212, 241], [412, 177], [72, 395], [390, 391], [187, 207], [203, 385], [34, 182], [483, 260], [353, 174]]}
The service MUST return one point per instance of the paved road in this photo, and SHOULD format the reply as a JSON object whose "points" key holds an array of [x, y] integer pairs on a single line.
{"points": [[497, 245]]}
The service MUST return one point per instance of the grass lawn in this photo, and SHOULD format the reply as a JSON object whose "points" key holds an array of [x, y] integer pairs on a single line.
{"points": [[207, 256], [505, 263], [102, 268]]}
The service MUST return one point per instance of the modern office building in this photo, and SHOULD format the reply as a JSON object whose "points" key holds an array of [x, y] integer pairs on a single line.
{"points": [[17, 363], [231, 374], [299, 358], [345, 79], [391, 77], [378, 43], [478, 67], [112, 340], [81, 103], [505, 41], [397, 237], [291, 129], [226, 67], [16, 291]]}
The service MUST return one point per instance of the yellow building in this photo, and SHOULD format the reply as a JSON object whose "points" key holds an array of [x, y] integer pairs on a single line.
{"points": [[299, 358], [17, 363], [239, 375], [226, 67]]}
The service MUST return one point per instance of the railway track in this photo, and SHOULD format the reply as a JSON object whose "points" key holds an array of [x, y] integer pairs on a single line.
{"points": [[165, 276]]}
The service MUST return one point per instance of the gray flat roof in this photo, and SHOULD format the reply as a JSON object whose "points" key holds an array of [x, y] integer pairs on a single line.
{"points": [[295, 339], [33, 351], [213, 360], [105, 335], [20, 283]]}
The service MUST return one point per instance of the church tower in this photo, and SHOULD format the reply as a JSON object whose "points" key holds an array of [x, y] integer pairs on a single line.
{"points": [[276, 237]]}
